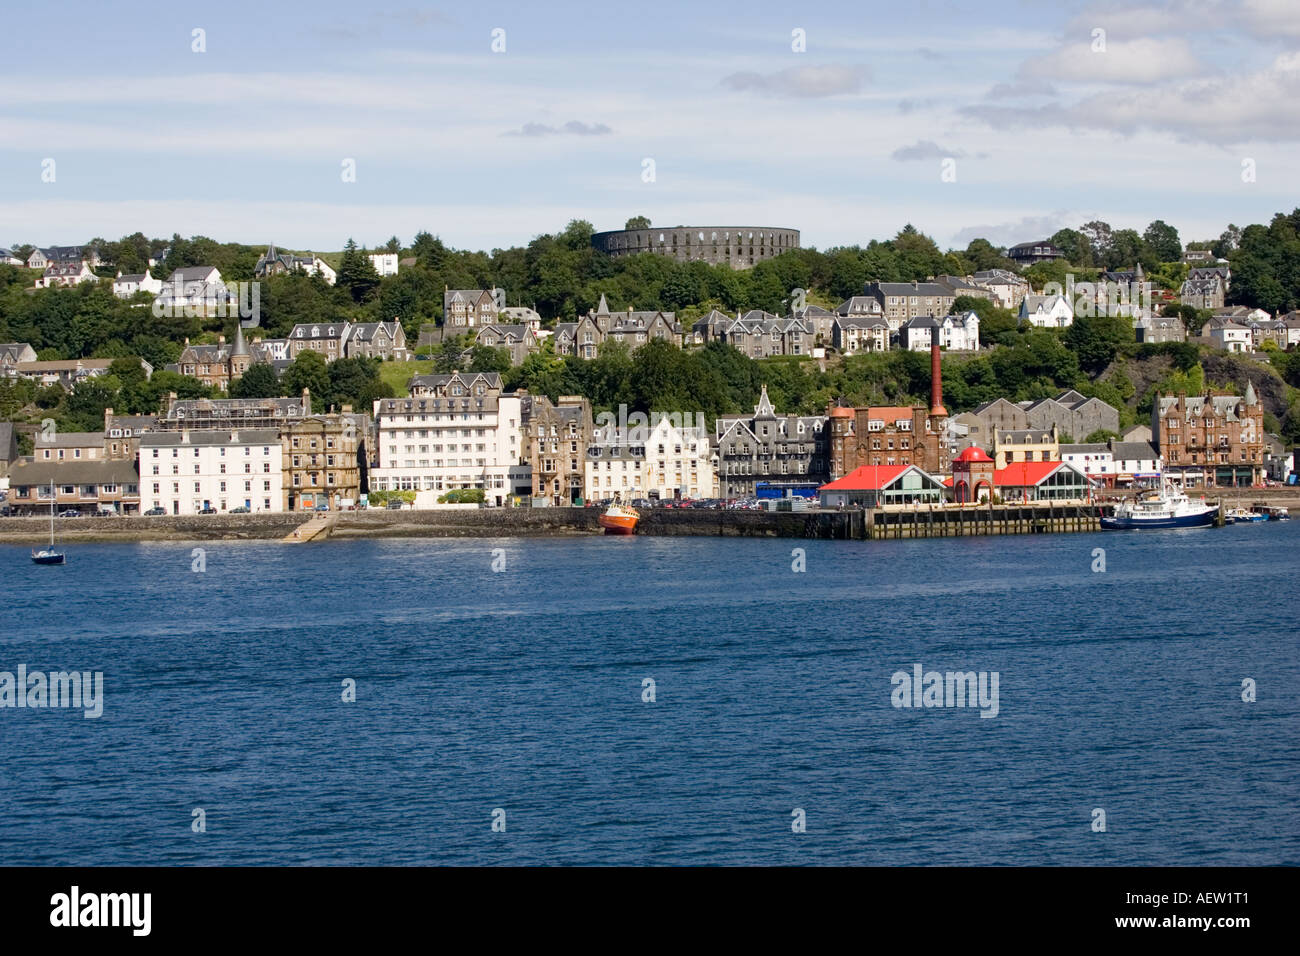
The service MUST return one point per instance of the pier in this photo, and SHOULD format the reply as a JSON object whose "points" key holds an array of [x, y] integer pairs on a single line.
{"points": [[959, 521]]}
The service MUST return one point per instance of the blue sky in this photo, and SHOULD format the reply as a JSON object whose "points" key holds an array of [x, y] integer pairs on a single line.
{"points": [[844, 141]]}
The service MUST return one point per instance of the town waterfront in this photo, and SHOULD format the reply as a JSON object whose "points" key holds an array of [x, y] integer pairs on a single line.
{"points": [[509, 673]]}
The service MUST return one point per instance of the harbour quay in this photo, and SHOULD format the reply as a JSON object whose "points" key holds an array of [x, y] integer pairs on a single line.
{"points": [[847, 524]]}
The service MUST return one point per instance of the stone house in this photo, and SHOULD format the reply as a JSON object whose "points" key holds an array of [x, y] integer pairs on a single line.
{"points": [[1210, 440], [557, 438], [765, 446]]}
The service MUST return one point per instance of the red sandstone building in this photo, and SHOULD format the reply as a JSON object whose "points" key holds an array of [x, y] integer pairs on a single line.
{"points": [[891, 435], [1210, 440]]}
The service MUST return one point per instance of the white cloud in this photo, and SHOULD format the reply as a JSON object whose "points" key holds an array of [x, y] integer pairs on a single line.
{"points": [[1025, 229], [924, 149], [804, 81], [1142, 61], [1263, 106]]}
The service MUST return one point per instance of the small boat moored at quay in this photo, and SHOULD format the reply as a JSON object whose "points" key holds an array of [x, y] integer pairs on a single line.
{"points": [[1243, 516], [1166, 508], [1271, 512], [619, 519]]}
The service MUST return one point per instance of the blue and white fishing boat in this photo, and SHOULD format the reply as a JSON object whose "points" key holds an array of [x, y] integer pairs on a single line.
{"points": [[1166, 508]]}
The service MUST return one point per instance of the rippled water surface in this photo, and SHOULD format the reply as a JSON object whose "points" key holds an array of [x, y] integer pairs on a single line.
{"points": [[522, 690]]}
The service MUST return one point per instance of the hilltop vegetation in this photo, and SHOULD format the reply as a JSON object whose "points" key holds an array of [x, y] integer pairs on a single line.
{"points": [[562, 276]]}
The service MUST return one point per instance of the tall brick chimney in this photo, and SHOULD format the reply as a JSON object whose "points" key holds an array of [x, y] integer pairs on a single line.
{"points": [[936, 382]]}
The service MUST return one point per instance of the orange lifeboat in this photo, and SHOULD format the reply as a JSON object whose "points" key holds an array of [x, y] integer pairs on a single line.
{"points": [[618, 519]]}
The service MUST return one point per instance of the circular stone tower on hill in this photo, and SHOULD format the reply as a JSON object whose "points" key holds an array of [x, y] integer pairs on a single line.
{"points": [[737, 246]]}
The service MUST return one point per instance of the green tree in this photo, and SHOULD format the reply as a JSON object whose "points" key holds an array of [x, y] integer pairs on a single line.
{"points": [[259, 381], [1075, 245], [637, 222], [356, 275], [308, 371], [1163, 241], [1097, 340]]}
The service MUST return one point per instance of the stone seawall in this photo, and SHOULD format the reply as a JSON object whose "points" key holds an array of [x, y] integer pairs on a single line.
{"points": [[522, 522], [485, 523]]}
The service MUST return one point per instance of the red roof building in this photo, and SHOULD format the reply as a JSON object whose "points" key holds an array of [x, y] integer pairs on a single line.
{"points": [[871, 486], [1040, 481]]}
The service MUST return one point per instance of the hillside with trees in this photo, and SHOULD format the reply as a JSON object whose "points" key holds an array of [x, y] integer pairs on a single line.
{"points": [[561, 275]]}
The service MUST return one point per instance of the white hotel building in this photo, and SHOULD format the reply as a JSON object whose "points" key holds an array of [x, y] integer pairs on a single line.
{"points": [[665, 463], [189, 471], [453, 431]]}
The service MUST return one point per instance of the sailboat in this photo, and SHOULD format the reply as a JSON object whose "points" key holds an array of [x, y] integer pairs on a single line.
{"points": [[50, 555]]}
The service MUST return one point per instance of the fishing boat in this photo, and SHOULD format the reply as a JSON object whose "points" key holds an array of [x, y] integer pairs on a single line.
{"points": [[1166, 508], [50, 555], [1272, 512], [1243, 516], [619, 519]]}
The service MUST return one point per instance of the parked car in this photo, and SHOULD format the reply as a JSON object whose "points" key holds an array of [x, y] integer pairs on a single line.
{"points": [[321, 508], [105, 513], [241, 510], [395, 506], [155, 512], [69, 514], [208, 511]]}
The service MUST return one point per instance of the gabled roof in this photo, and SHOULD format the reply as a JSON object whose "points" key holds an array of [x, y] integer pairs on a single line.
{"points": [[871, 478], [1029, 473], [862, 322], [97, 471], [1134, 450], [859, 304], [191, 274]]}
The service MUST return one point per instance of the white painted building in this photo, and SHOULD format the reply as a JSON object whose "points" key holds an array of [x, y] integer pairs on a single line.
{"points": [[1230, 336], [954, 332], [187, 472], [125, 286], [66, 274], [660, 461], [1047, 311], [454, 431], [1095, 459], [195, 287], [1116, 463], [385, 263]]}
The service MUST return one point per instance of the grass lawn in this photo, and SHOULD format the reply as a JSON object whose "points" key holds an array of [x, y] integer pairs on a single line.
{"points": [[397, 374]]}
